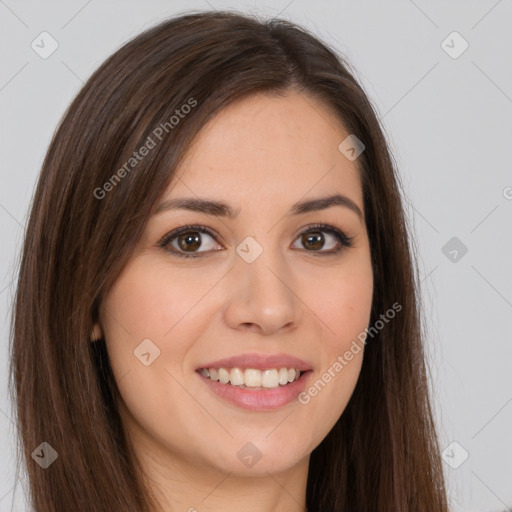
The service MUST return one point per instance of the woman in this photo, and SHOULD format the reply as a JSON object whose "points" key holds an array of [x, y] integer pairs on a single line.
{"points": [[217, 306]]}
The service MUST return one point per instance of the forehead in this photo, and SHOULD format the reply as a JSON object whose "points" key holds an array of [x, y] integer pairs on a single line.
{"points": [[272, 147]]}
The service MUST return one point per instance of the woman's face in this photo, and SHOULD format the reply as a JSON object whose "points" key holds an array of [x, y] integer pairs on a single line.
{"points": [[262, 286]]}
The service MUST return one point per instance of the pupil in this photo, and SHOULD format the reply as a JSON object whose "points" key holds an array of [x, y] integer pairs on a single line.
{"points": [[314, 239], [188, 241]]}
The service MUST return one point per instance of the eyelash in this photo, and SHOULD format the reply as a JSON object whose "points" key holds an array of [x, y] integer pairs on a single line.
{"points": [[344, 240]]}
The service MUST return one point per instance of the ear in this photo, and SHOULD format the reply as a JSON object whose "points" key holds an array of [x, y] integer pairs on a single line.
{"points": [[97, 333]]}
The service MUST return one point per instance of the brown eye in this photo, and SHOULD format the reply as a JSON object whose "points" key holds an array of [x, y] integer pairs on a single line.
{"points": [[314, 240], [187, 240], [317, 237]]}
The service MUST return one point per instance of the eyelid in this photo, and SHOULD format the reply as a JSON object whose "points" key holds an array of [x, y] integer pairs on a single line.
{"points": [[165, 241], [344, 240]]}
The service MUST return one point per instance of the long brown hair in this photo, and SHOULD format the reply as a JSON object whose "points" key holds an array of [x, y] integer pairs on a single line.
{"points": [[87, 215]]}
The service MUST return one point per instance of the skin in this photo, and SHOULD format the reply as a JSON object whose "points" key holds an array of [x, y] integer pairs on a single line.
{"points": [[261, 155]]}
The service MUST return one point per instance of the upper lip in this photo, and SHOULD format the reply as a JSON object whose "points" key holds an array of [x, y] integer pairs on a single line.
{"points": [[259, 362]]}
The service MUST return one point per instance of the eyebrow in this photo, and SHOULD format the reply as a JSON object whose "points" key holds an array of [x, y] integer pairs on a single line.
{"points": [[221, 209]]}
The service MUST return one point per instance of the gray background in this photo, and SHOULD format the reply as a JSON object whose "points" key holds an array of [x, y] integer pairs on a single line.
{"points": [[449, 124]]}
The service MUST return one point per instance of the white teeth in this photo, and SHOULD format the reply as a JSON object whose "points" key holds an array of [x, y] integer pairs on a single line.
{"points": [[270, 378], [223, 375], [283, 376], [252, 378], [236, 377]]}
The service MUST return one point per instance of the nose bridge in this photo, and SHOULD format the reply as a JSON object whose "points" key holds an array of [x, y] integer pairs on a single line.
{"points": [[261, 291]]}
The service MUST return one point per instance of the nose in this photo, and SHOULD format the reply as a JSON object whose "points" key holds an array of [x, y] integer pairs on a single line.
{"points": [[262, 296]]}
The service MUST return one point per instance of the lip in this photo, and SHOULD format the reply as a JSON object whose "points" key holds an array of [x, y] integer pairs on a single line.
{"points": [[259, 362], [258, 400]]}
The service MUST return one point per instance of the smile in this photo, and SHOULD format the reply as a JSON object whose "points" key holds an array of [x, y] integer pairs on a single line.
{"points": [[252, 378], [255, 390]]}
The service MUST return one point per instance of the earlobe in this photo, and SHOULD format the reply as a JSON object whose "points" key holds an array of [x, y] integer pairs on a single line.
{"points": [[97, 333]]}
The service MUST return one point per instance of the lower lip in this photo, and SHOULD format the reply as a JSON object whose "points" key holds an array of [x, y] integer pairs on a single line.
{"points": [[260, 400]]}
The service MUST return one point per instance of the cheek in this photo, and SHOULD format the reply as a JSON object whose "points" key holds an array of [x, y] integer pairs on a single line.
{"points": [[344, 306], [146, 303], [144, 336], [149, 301], [344, 310]]}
